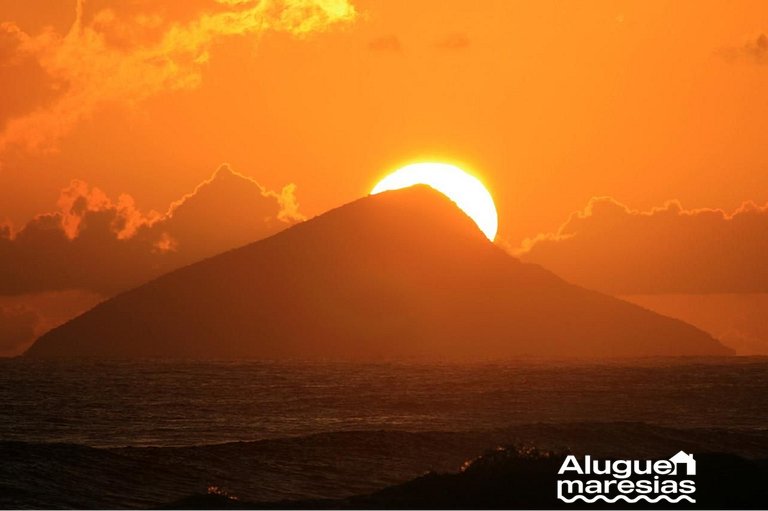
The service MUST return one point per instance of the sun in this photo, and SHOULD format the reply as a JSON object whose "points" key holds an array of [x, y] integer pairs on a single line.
{"points": [[462, 188]]}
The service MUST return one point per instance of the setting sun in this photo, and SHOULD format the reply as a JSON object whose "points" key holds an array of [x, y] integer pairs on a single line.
{"points": [[465, 190]]}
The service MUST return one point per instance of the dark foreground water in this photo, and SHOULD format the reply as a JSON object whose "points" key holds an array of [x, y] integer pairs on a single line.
{"points": [[139, 434]]}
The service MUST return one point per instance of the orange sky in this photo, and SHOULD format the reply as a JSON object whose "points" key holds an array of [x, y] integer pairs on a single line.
{"points": [[552, 103], [622, 141]]}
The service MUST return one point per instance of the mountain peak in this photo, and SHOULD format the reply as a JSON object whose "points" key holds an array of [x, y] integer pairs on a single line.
{"points": [[405, 214]]}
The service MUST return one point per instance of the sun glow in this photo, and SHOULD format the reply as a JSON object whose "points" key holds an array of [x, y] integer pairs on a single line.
{"points": [[465, 190]]}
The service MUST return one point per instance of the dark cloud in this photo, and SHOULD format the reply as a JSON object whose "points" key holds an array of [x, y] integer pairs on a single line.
{"points": [[612, 248], [387, 43], [453, 42], [17, 329], [97, 244], [754, 50]]}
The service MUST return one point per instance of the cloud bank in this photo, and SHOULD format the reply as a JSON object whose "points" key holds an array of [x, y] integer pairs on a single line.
{"points": [[669, 249], [102, 245], [128, 56]]}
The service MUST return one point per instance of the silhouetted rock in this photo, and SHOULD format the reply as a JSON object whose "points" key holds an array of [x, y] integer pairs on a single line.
{"points": [[403, 274], [524, 478]]}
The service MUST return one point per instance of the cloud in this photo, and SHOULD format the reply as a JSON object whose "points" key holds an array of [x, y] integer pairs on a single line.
{"points": [[78, 199], [17, 329], [453, 42], [669, 249], [386, 43], [26, 84], [102, 245], [223, 212], [115, 56], [754, 50]]}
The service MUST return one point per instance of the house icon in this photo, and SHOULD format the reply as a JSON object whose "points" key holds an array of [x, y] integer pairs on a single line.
{"points": [[687, 459]]}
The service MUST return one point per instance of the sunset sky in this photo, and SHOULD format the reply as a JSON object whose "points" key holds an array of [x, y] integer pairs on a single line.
{"points": [[550, 103]]}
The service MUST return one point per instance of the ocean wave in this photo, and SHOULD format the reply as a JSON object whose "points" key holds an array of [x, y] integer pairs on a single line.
{"points": [[335, 465], [524, 477]]}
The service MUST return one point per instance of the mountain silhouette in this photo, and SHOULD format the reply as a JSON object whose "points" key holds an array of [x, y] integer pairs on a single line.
{"points": [[399, 275]]}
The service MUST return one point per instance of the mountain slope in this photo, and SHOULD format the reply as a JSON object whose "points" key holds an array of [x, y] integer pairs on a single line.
{"points": [[401, 274]]}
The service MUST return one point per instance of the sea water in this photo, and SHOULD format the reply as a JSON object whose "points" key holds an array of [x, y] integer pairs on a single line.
{"points": [[140, 433]]}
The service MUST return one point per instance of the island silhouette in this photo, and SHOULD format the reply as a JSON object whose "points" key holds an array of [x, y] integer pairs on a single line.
{"points": [[403, 274]]}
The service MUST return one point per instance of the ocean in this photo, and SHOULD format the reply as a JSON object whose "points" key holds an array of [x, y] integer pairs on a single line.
{"points": [[147, 433]]}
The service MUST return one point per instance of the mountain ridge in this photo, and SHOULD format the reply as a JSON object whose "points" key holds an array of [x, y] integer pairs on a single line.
{"points": [[399, 275]]}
